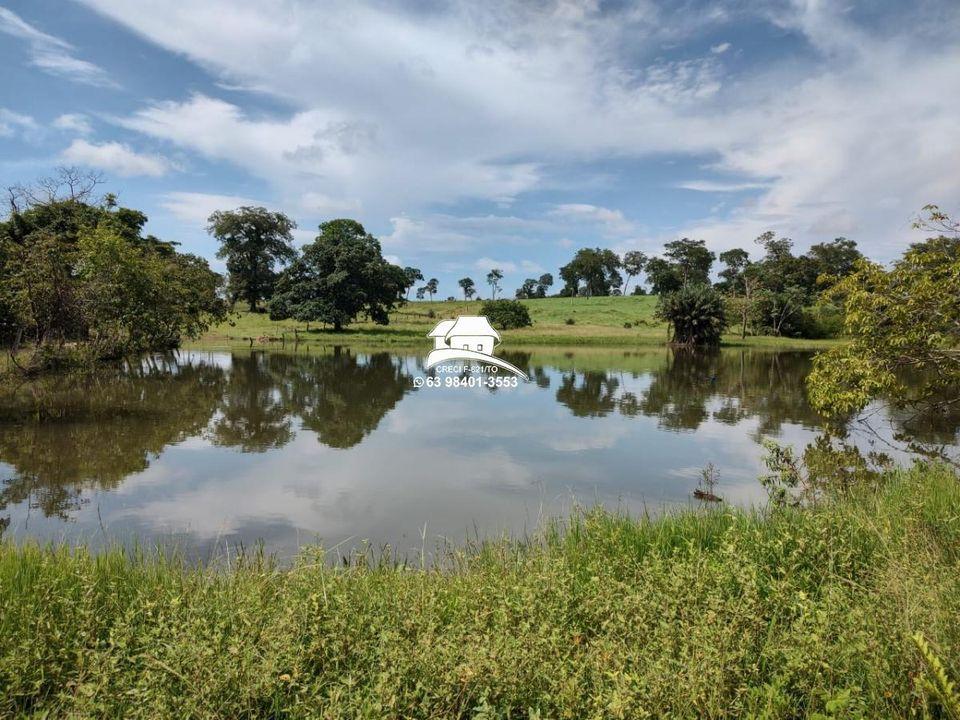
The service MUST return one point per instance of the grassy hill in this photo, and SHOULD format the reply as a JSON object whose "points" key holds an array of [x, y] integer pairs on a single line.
{"points": [[596, 321]]}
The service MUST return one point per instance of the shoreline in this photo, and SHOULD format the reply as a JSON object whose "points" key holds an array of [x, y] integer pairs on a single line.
{"points": [[698, 612]]}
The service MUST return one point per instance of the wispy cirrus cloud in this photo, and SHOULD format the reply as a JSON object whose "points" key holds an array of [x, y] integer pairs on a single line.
{"points": [[52, 54]]}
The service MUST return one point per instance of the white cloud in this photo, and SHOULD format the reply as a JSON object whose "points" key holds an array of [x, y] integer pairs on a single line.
{"points": [[115, 157], [195, 208], [51, 54], [613, 221], [13, 123], [400, 110], [74, 123], [715, 187], [326, 205], [487, 264]]}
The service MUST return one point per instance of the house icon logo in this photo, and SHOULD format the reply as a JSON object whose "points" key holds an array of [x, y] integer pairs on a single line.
{"points": [[469, 337]]}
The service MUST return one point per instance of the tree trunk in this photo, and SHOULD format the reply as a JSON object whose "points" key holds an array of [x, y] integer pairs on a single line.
{"points": [[337, 326], [253, 306]]}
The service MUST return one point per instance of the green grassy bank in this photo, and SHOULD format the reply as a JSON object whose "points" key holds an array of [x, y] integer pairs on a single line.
{"points": [[710, 613], [596, 321]]}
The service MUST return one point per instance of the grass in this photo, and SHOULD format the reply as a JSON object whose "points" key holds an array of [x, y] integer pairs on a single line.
{"points": [[596, 321], [702, 613]]}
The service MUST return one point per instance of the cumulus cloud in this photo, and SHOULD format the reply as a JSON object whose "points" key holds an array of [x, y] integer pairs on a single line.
{"points": [[51, 54], [115, 157]]}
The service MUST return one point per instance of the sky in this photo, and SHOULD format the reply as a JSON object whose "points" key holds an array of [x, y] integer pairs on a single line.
{"points": [[506, 133]]}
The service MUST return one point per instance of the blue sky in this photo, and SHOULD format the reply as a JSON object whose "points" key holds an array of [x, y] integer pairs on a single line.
{"points": [[507, 133]]}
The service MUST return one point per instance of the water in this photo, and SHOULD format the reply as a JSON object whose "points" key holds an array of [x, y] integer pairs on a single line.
{"points": [[212, 450]]}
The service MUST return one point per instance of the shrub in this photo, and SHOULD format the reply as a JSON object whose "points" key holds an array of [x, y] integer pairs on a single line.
{"points": [[822, 321], [506, 314], [696, 314], [628, 325], [570, 321]]}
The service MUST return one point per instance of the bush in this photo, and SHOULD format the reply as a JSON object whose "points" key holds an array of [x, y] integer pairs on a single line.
{"points": [[696, 313], [506, 314], [822, 321], [628, 325], [570, 321]]}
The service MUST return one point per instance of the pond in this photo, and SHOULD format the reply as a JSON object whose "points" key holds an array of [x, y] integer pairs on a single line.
{"points": [[209, 451]]}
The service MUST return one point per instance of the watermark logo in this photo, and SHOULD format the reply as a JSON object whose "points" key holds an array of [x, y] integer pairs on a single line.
{"points": [[469, 337]]}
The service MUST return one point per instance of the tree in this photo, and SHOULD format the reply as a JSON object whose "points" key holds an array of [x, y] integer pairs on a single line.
{"points": [[903, 323], [493, 280], [82, 283], [527, 290], [253, 241], [633, 263], [736, 261], [695, 313], [467, 285], [592, 272], [431, 287], [691, 259], [421, 293], [411, 274], [339, 275], [662, 276], [834, 260], [544, 282], [506, 314]]}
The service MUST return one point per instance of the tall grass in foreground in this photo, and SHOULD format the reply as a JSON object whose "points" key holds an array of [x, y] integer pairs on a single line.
{"points": [[714, 613]]}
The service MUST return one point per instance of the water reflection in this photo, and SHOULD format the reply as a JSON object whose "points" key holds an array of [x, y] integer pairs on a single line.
{"points": [[249, 436]]}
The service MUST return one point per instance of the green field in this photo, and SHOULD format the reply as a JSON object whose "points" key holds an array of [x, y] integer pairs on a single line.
{"points": [[702, 613], [596, 321]]}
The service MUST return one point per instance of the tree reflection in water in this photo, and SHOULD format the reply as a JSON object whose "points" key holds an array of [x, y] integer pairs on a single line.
{"points": [[64, 436]]}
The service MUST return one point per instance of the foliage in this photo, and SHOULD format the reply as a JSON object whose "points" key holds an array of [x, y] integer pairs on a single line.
{"points": [[904, 325], [253, 241], [691, 260], [468, 286], [341, 274], [411, 275], [506, 314], [696, 315], [493, 280], [80, 282], [535, 288], [941, 687], [592, 272], [134, 300], [799, 613], [633, 263]]}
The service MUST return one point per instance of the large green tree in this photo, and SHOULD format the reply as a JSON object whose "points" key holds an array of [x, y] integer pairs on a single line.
{"points": [[79, 280], [253, 241], [341, 274], [904, 328], [592, 272], [691, 259]]}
